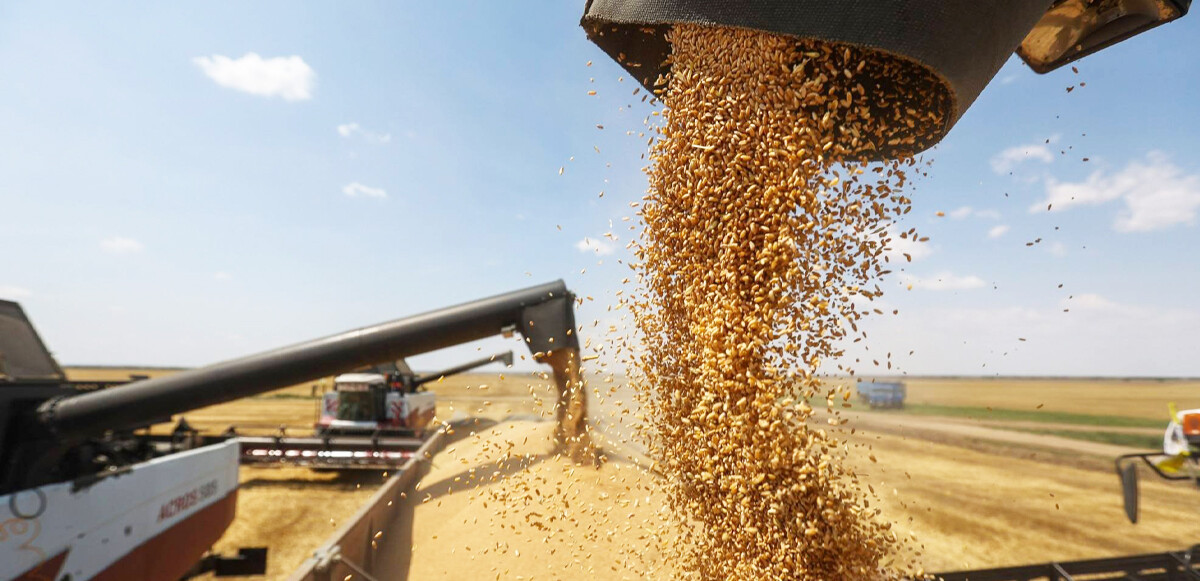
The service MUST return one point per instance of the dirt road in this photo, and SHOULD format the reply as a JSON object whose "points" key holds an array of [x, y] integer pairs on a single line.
{"points": [[948, 429], [1059, 427]]}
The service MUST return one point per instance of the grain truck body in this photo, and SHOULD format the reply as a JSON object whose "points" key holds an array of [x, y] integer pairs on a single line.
{"points": [[882, 394]]}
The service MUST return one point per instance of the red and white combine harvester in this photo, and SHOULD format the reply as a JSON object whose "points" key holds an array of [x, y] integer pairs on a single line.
{"points": [[88, 493], [388, 399], [374, 418], [368, 403]]}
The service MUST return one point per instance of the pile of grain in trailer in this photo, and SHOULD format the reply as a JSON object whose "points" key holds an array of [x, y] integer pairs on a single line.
{"points": [[293, 510], [765, 236]]}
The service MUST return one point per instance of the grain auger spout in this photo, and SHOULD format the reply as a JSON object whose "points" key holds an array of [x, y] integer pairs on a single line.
{"points": [[961, 44]]}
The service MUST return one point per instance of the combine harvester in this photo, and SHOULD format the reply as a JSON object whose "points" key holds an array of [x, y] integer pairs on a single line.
{"points": [[86, 493], [387, 399], [1179, 459], [384, 406]]}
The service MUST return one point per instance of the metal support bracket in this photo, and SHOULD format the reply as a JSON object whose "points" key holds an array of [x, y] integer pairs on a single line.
{"points": [[332, 556]]}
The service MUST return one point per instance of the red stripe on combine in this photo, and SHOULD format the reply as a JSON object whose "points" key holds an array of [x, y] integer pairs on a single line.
{"points": [[170, 554], [46, 570]]}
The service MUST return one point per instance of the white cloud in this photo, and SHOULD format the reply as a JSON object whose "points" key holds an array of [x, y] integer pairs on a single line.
{"points": [[351, 129], [355, 189], [1096, 336], [287, 77], [12, 293], [1090, 301], [1057, 248], [121, 245], [1157, 194], [1096, 190], [600, 247], [222, 276], [899, 247], [943, 281], [967, 212], [997, 231], [961, 213], [1012, 157]]}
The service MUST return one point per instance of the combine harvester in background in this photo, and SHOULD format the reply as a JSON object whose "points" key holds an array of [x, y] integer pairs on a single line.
{"points": [[388, 399], [87, 493], [384, 406], [1179, 459]]}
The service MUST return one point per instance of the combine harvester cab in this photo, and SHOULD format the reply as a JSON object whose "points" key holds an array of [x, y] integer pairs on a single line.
{"points": [[366, 403], [387, 399]]}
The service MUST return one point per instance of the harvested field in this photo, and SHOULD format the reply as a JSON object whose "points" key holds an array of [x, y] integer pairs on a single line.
{"points": [[970, 505], [1140, 398], [966, 509], [115, 373], [946, 429], [970, 510], [1144, 399]]}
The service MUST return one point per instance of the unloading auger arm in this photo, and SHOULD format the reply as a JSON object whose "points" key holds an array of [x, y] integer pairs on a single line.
{"points": [[41, 442]]}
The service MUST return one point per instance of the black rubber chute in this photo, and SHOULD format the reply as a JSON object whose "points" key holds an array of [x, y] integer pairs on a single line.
{"points": [[963, 42], [1129, 490]]}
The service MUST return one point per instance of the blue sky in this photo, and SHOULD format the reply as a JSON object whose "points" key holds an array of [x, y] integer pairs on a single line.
{"points": [[181, 184]]}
